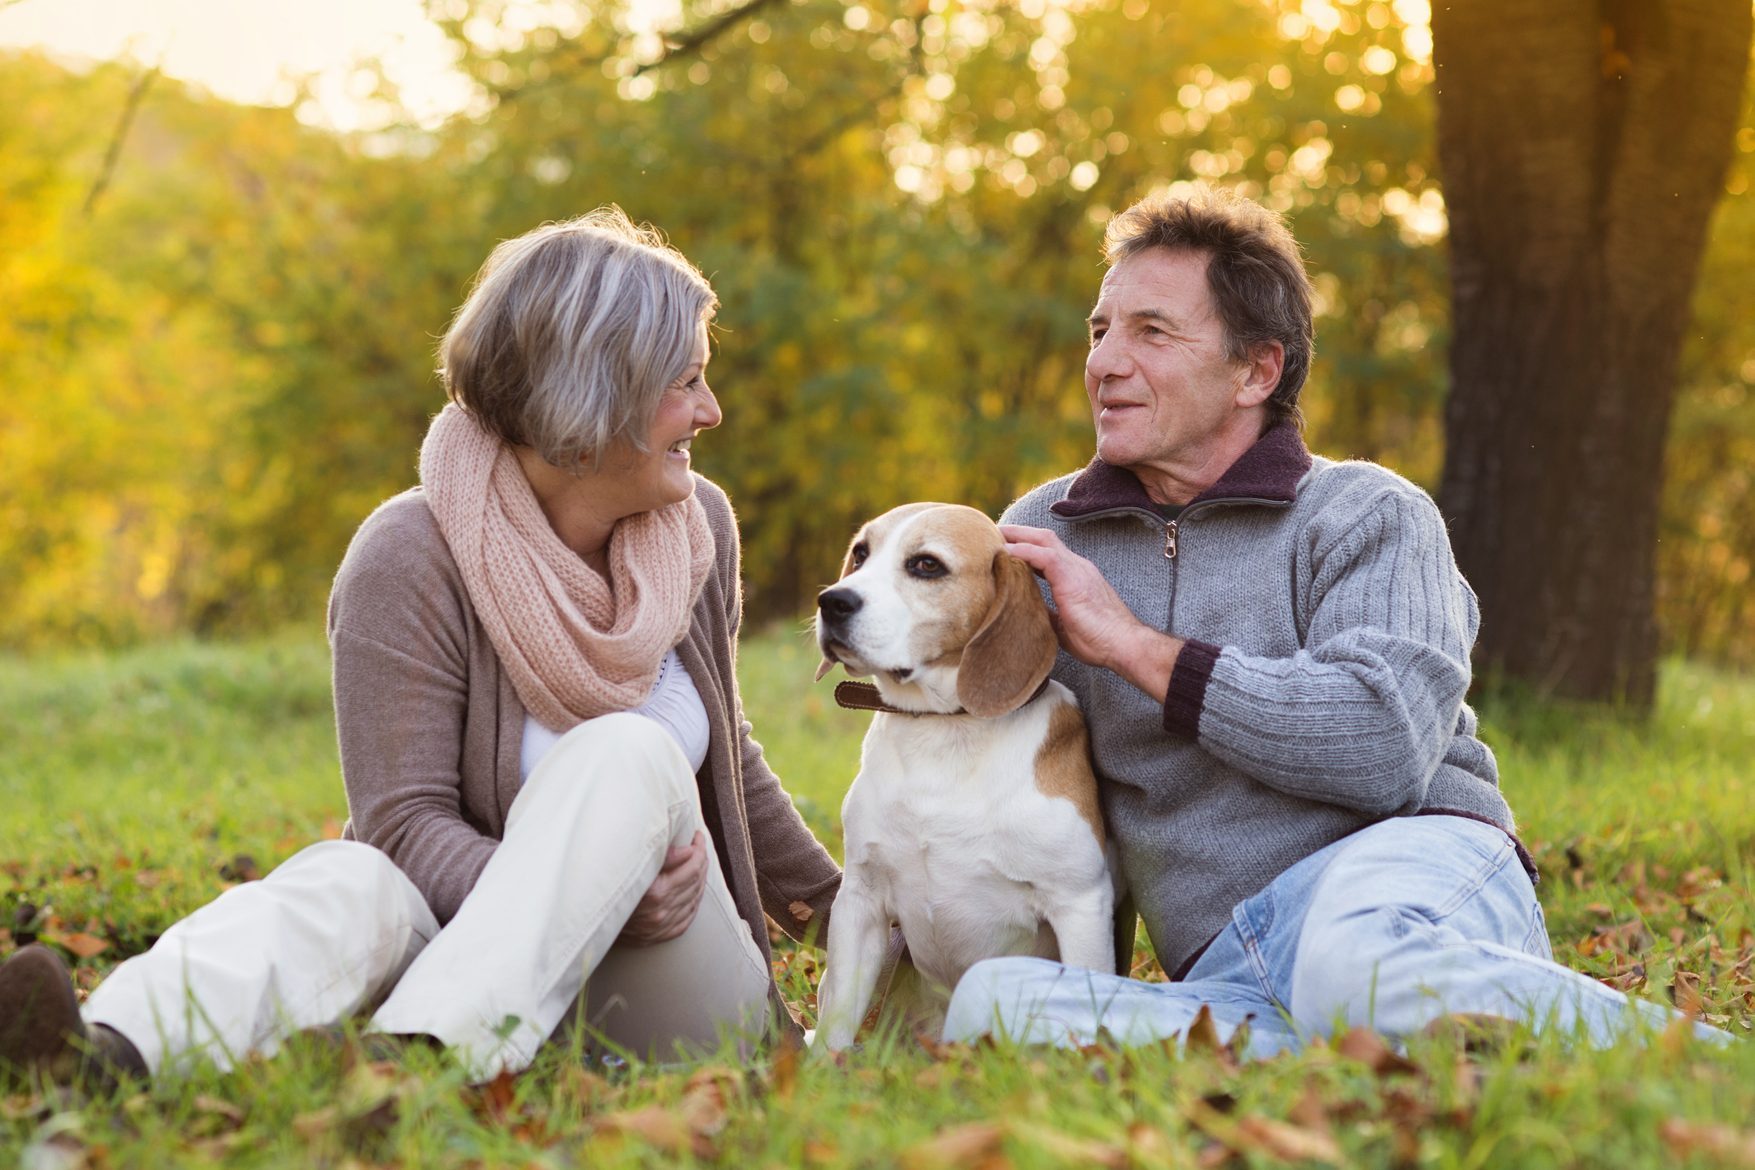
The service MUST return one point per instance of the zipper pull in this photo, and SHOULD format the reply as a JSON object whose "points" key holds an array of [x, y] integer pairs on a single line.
{"points": [[1170, 540]]}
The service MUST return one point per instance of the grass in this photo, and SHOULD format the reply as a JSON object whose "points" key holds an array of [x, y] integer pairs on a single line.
{"points": [[137, 786]]}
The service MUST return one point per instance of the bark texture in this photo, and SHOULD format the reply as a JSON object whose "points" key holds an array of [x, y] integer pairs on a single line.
{"points": [[1583, 145]]}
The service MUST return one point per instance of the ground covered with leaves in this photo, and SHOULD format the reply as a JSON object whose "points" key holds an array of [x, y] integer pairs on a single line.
{"points": [[139, 786]]}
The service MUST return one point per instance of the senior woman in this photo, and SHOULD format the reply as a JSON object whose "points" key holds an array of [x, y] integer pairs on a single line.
{"points": [[556, 808]]}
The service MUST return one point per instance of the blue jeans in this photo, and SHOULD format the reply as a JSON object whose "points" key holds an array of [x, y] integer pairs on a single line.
{"points": [[1392, 927]]}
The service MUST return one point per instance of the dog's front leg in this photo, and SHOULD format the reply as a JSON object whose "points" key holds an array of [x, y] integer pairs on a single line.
{"points": [[1084, 928], [859, 930]]}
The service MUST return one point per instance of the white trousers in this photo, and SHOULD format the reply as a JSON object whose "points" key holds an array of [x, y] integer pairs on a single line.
{"points": [[338, 929]]}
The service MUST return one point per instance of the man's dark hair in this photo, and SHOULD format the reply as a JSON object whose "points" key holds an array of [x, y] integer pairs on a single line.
{"points": [[1254, 270]]}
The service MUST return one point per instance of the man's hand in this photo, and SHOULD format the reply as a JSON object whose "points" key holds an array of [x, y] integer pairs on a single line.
{"points": [[1094, 624], [671, 901]]}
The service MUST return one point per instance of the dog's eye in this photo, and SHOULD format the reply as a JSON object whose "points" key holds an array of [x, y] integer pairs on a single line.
{"points": [[925, 566], [859, 553]]}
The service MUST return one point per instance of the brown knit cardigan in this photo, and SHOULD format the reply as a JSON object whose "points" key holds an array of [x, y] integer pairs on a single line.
{"points": [[431, 729]]}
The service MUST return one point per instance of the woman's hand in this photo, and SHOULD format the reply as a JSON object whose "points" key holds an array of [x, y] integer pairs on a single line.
{"points": [[670, 903]]}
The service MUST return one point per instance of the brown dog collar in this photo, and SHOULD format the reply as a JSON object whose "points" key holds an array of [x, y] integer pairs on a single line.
{"points": [[863, 696]]}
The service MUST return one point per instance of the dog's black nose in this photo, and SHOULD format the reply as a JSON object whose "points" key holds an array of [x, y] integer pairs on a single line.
{"points": [[839, 604]]}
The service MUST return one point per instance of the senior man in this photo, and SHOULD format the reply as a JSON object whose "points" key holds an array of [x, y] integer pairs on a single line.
{"points": [[1272, 650]]}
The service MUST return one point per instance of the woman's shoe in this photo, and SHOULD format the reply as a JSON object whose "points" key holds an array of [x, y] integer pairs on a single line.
{"points": [[42, 1034]]}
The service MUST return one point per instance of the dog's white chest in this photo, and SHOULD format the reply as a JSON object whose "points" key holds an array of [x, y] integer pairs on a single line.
{"points": [[949, 833]]}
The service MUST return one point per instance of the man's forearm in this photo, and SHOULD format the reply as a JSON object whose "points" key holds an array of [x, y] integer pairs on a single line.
{"points": [[1147, 660]]}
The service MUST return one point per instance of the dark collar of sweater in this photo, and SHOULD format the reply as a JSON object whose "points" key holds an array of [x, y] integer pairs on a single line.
{"points": [[1268, 472]]}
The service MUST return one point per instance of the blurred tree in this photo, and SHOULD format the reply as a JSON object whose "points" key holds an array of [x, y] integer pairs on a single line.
{"points": [[219, 371], [1583, 149]]}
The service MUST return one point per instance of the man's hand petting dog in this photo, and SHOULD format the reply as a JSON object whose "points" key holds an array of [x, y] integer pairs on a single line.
{"points": [[1092, 622]]}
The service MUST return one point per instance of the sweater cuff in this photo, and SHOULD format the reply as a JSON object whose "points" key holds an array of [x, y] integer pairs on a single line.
{"points": [[1188, 687]]}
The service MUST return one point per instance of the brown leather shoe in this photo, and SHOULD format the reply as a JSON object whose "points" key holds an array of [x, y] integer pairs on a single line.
{"points": [[42, 1034]]}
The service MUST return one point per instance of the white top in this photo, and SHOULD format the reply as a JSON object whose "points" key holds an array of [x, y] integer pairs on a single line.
{"points": [[674, 705]]}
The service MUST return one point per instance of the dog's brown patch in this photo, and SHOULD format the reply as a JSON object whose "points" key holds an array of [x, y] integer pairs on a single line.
{"points": [[1063, 765]]}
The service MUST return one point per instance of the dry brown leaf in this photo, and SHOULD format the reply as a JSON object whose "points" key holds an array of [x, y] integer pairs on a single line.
{"points": [[976, 1145], [315, 1124], [578, 1083], [86, 946], [498, 1095], [705, 1100], [214, 1107], [1148, 1145], [663, 1129], [1285, 1141], [1203, 1033], [1736, 1146], [783, 1071], [1372, 1051], [1310, 1111], [1075, 1151]]}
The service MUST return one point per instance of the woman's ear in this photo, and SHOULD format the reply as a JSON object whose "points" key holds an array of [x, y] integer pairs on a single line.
{"points": [[1015, 647]]}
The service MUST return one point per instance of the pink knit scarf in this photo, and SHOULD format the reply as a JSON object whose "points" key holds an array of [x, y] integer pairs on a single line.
{"points": [[575, 646]]}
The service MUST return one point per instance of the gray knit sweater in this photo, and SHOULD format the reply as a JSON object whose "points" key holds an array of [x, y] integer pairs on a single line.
{"points": [[1321, 689]]}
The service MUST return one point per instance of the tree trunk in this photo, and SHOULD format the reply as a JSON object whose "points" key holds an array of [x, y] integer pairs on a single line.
{"points": [[1583, 145]]}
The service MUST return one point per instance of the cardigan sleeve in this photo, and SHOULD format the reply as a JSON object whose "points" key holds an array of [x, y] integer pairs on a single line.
{"points": [[1362, 715], [795, 876], [401, 681]]}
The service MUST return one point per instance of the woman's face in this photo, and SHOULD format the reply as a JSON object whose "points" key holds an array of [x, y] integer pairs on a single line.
{"points": [[659, 475]]}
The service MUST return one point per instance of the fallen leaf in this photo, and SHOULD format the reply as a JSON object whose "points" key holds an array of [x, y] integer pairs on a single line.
{"points": [[316, 1123], [1285, 1141], [1203, 1033], [662, 1129], [498, 1095], [86, 946], [1736, 1146], [1074, 1151], [706, 1098], [1148, 1146], [1310, 1111], [581, 1084], [223, 1111], [783, 1070], [1373, 1051], [976, 1145]]}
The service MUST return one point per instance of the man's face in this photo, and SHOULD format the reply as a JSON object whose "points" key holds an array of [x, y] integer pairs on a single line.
{"points": [[1160, 385]]}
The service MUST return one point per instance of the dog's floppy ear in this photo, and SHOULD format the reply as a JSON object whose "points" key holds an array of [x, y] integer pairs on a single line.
{"points": [[1014, 649]]}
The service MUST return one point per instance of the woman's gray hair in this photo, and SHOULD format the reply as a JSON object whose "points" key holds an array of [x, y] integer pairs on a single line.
{"points": [[1255, 273], [572, 332]]}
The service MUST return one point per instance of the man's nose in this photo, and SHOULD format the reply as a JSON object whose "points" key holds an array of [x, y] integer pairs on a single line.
{"points": [[1107, 359], [837, 605]]}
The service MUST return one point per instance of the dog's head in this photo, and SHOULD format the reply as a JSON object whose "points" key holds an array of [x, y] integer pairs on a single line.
{"points": [[931, 606]]}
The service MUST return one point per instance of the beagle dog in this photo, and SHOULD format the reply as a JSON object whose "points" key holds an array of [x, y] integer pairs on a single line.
{"points": [[973, 822]]}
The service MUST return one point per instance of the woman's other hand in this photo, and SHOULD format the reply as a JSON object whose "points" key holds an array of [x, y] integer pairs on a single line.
{"points": [[671, 901]]}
